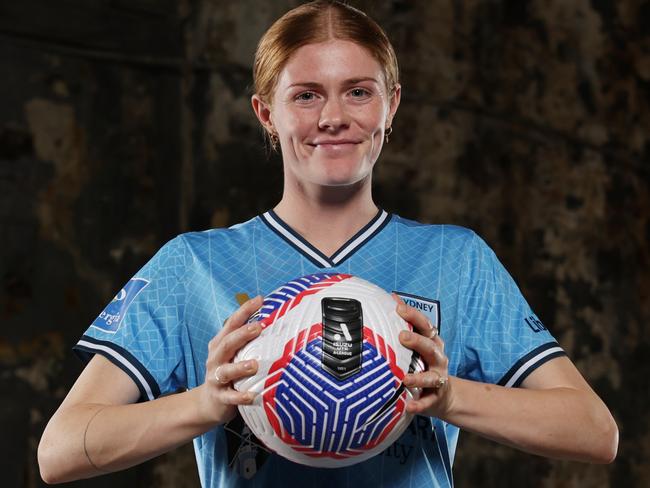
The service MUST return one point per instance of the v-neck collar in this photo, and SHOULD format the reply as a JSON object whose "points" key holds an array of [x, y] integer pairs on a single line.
{"points": [[356, 242]]}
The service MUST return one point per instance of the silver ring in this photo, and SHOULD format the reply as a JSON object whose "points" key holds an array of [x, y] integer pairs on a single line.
{"points": [[440, 382]]}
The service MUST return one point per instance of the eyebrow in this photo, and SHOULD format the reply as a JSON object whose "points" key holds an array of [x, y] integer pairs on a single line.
{"points": [[350, 81]]}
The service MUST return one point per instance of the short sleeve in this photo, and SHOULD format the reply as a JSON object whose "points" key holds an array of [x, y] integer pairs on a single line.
{"points": [[141, 330], [504, 341]]}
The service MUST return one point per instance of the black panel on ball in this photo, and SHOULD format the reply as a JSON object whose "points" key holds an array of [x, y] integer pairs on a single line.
{"points": [[342, 336]]}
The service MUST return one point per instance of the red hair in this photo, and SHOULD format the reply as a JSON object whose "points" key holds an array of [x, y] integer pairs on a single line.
{"points": [[316, 22]]}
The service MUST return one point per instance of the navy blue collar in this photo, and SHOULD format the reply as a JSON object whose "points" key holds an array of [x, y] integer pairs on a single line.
{"points": [[356, 242]]}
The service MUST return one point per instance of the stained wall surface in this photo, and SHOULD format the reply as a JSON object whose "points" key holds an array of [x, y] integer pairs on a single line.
{"points": [[125, 123]]}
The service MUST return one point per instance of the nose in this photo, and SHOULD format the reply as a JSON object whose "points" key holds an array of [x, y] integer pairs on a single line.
{"points": [[333, 116]]}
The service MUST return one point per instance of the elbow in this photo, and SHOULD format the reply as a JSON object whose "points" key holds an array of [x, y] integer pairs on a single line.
{"points": [[597, 432], [50, 464], [609, 443], [46, 465], [604, 442]]}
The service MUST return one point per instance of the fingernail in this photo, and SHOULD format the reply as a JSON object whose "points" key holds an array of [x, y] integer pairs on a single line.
{"points": [[249, 365], [253, 328], [401, 308], [405, 335], [250, 396], [408, 380], [434, 329]]}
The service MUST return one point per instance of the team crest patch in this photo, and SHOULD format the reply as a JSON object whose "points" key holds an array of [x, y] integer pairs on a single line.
{"points": [[429, 307], [111, 317]]}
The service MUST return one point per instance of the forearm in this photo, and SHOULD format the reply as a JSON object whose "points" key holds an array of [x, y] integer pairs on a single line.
{"points": [[564, 423], [90, 439]]}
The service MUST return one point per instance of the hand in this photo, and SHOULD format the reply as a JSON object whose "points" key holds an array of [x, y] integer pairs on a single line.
{"points": [[436, 396], [220, 399]]}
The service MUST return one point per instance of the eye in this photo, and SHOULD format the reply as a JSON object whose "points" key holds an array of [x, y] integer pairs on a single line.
{"points": [[306, 97], [359, 93]]}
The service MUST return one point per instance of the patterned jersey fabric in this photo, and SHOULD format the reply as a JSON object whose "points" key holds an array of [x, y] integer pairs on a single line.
{"points": [[157, 330]]}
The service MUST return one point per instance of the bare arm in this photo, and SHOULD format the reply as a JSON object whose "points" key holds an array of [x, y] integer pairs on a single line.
{"points": [[99, 429], [99, 415], [556, 414]]}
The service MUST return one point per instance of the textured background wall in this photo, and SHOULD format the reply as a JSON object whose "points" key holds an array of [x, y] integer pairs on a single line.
{"points": [[123, 123]]}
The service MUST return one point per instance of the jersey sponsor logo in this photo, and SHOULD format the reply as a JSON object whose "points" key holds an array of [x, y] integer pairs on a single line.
{"points": [[428, 306], [111, 317], [247, 455], [405, 447], [534, 323]]}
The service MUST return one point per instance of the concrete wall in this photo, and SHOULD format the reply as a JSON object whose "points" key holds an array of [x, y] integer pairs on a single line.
{"points": [[124, 123]]}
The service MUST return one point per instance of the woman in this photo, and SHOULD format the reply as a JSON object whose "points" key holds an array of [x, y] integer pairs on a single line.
{"points": [[326, 92]]}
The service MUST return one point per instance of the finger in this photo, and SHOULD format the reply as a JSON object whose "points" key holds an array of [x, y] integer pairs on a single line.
{"points": [[234, 397], [240, 316], [228, 372], [399, 303], [432, 379], [421, 405], [236, 320], [439, 342], [419, 321], [428, 349], [228, 345]]}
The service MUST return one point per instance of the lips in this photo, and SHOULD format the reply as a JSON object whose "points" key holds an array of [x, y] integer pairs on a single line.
{"points": [[334, 142]]}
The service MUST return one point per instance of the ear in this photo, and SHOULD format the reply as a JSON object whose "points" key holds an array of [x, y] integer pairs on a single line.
{"points": [[393, 104], [262, 112]]}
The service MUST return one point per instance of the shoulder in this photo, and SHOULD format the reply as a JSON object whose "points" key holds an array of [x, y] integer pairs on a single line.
{"points": [[447, 233], [239, 231], [221, 239]]}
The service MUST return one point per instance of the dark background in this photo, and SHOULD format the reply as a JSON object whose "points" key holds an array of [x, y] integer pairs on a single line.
{"points": [[125, 122]]}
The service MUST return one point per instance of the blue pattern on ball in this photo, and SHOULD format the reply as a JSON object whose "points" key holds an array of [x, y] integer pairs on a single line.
{"points": [[306, 392]]}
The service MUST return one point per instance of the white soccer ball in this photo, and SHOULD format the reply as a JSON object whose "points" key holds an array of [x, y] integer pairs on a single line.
{"points": [[329, 384]]}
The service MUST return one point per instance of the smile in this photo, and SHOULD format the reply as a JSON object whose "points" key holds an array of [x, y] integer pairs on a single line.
{"points": [[320, 142], [334, 145]]}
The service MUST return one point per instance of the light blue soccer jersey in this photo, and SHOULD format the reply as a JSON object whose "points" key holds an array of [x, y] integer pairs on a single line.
{"points": [[158, 326]]}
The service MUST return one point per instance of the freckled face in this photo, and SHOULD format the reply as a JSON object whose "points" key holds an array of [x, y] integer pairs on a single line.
{"points": [[330, 110]]}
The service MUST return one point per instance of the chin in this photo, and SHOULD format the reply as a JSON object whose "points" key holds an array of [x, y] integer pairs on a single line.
{"points": [[341, 173], [340, 180]]}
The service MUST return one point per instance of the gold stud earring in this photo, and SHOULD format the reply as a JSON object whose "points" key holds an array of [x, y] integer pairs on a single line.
{"points": [[388, 132], [275, 140]]}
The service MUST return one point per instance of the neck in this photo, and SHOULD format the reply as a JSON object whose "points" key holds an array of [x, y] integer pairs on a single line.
{"points": [[327, 216]]}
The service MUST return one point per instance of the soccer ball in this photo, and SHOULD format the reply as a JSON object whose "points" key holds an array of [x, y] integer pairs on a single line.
{"points": [[329, 383]]}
